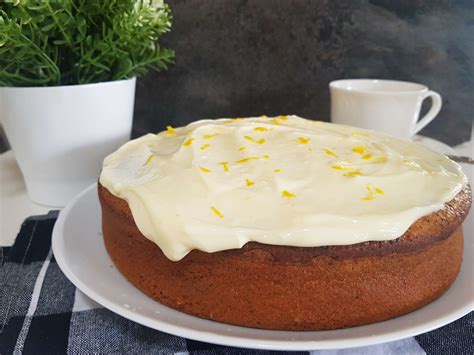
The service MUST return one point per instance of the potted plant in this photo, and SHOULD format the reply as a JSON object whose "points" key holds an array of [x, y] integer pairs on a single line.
{"points": [[67, 84]]}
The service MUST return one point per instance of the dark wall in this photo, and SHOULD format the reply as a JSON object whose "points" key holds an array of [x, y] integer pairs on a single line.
{"points": [[240, 58]]}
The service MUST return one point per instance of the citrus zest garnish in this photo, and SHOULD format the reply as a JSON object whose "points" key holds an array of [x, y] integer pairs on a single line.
{"points": [[340, 167], [277, 170], [287, 194], [241, 148], [359, 149], [352, 173], [188, 142], [372, 191], [210, 136], [217, 212], [303, 140], [170, 130], [249, 182], [205, 146], [284, 118], [263, 116], [330, 152], [367, 156], [260, 141], [275, 121], [246, 160], [224, 164], [149, 159], [260, 129], [204, 170]]}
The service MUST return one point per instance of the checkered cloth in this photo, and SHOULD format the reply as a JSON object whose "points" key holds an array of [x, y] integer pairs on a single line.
{"points": [[42, 312]]}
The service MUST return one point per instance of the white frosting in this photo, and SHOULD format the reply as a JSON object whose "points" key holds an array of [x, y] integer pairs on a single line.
{"points": [[218, 184]]}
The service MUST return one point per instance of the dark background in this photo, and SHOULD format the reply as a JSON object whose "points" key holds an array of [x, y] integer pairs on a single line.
{"points": [[240, 58], [253, 57]]}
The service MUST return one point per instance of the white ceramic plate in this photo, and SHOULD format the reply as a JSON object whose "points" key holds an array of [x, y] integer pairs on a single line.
{"points": [[80, 252]]}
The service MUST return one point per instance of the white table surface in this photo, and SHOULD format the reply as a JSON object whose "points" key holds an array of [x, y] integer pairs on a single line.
{"points": [[15, 205]]}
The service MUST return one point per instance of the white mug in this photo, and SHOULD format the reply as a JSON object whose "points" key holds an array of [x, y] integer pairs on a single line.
{"points": [[386, 106]]}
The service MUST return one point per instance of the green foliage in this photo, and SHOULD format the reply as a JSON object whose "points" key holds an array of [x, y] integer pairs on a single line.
{"points": [[65, 42]]}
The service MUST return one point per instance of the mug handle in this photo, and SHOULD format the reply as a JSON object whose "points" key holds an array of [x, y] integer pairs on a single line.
{"points": [[436, 103]]}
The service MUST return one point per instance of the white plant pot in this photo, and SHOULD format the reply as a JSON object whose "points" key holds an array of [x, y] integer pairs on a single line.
{"points": [[61, 134]]}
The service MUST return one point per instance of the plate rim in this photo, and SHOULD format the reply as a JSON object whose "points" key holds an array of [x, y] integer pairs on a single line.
{"points": [[57, 244]]}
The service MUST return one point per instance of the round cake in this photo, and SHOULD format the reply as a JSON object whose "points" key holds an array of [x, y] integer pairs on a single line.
{"points": [[284, 223]]}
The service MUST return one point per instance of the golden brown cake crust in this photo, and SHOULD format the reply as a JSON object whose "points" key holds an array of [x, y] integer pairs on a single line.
{"points": [[295, 288]]}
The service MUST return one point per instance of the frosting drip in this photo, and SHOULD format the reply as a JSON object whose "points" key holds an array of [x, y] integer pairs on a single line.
{"points": [[218, 184]]}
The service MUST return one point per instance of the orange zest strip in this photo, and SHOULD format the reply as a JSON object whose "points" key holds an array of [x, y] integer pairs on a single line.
{"points": [[149, 159], [287, 194], [217, 212], [170, 130], [188, 142], [224, 164]]}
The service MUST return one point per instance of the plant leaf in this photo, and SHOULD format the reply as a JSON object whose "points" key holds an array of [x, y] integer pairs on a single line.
{"points": [[80, 41], [48, 27]]}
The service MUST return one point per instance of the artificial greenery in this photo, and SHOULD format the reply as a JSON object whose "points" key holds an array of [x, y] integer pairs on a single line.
{"points": [[65, 42]]}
